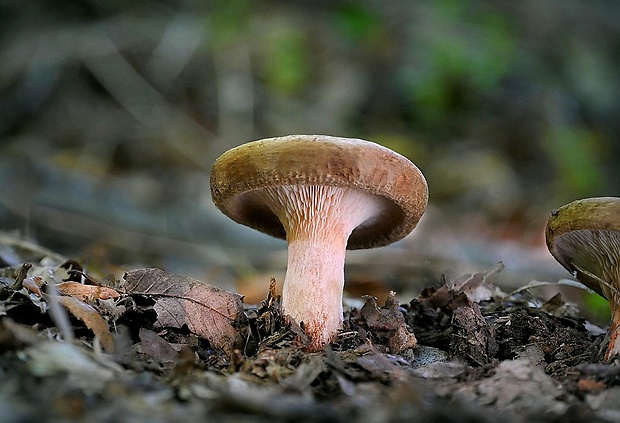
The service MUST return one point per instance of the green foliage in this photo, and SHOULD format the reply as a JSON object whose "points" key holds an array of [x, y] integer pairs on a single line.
{"points": [[576, 154], [286, 67], [229, 20], [523, 94], [356, 23], [597, 307], [460, 57]]}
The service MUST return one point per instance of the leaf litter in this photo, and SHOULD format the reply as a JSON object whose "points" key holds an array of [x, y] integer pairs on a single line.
{"points": [[181, 301], [161, 347]]}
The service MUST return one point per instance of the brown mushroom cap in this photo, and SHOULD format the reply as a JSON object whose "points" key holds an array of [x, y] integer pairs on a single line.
{"points": [[584, 236], [320, 160]]}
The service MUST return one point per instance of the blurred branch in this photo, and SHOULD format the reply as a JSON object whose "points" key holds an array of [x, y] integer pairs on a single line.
{"points": [[148, 106], [235, 90]]}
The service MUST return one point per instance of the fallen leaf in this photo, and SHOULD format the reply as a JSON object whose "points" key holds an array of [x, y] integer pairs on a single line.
{"points": [[91, 318], [390, 322], [387, 318], [475, 339], [588, 385], [401, 340], [517, 385], [21, 274], [31, 289], [157, 347], [86, 292], [209, 312], [69, 363], [33, 284], [443, 298], [476, 286]]}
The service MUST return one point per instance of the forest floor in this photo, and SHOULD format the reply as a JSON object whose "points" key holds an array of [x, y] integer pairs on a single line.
{"points": [[159, 347]]}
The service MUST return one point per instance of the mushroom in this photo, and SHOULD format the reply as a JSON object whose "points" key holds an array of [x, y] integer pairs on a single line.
{"points": [[584, 237], [323, 195]]}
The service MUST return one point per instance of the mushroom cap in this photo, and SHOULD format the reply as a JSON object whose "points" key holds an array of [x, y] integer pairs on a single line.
{"points": [[320, 160], [585, 236]]}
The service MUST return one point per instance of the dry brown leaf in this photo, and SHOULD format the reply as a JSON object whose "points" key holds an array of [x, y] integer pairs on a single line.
{"points": [[389, 321], [86, 292], [33, 284], [157, 347], [91, 318], [209, 312], [475, 339], [476, 286], [31, 288]]}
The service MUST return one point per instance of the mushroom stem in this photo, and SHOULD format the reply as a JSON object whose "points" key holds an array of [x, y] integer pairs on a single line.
{"points": [[613, 348], [318, 221], [313, 285]]}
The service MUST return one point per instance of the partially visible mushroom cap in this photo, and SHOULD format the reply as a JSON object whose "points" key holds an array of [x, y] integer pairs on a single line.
{"points": [[584, 237], [323, 161]]}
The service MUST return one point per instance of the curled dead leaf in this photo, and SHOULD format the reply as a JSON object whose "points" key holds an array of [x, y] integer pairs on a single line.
{"points": [[389, 321], [475, 338], [86, 292], [91, 318], [476, 287], [33, 284]]}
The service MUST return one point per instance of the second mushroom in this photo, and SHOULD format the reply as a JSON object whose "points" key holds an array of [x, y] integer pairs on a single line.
{"points": [[584, 237], [323, 195]]}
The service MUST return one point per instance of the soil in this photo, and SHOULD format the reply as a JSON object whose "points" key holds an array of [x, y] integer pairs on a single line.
{"points": [[459, 352]]}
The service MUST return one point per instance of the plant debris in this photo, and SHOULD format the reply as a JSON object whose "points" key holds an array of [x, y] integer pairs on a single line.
{"points": [[162, 347], [207, 311]]}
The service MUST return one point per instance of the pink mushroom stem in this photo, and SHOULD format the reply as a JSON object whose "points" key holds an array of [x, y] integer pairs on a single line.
{"points": [[613, 348], [318, 221]]}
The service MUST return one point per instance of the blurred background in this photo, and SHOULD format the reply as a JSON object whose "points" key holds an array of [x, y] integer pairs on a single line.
{"points": [[111, 114]]}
